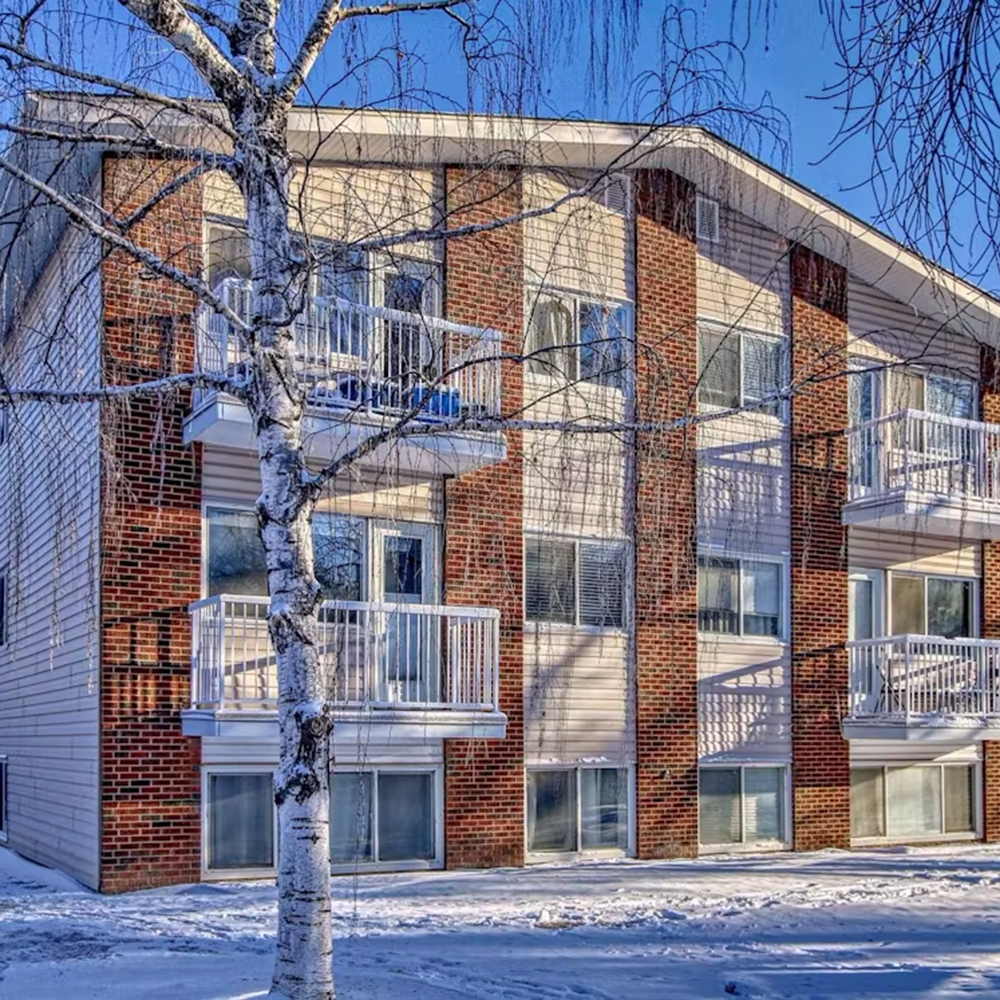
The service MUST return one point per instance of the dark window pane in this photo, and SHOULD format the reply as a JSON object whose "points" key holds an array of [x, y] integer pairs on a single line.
{"points": [[718, 596], [602, 343], [351, 818], [761, 598], [867, 802], [959, 796], [403, 558], [550, 332], [405, 817], [763, 364], [603, 807], [227, 255], [3, 796], [719, 368], [235, 554], [602, 580], [719, 806], [949, 608], [338, 548], [550, 580], [241, 821], [908, 605], [552, 811], [764, 803]]}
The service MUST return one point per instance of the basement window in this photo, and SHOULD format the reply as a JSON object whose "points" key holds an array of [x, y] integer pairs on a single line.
{"points": [[241, 819], [741, 807]]}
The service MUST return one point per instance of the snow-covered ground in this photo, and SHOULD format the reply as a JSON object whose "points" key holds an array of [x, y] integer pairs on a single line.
{"points": [[889, 924]]}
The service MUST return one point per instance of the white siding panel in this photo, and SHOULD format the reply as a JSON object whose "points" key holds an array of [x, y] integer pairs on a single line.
{"points": [[743, 278], [583, 245], [362, 751], [869, 548], [876, 752], [744, 701], [50, 545], [233, 477], [884, 329], [575, 696]]}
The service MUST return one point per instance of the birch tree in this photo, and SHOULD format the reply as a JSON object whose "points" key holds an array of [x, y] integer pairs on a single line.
{"points": [[236, 72]]}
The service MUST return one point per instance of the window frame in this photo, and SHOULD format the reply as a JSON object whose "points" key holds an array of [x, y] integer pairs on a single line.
{"points": [[782, 409], [4, 798], [4, 606], [932, 838], [574, 298], [541, 857], [577, 541], [887, 611], [784, 616], [882, 387], [756, 846], [5, 423], [437, 792], [230, 874]]}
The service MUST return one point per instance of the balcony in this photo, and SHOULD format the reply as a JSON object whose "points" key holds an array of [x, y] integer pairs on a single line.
{"points": [[365, 369], [920, 687], [916, 471], [422, 671]]}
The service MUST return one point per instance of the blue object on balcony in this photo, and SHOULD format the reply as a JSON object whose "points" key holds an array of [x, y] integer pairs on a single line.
{"points": [[440, 402]]}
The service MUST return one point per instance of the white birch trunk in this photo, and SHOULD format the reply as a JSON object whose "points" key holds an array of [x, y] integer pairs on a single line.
{"points": [[304, 961]]}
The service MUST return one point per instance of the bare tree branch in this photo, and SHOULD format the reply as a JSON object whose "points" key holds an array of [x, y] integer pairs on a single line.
{"points": [[27, 394]]}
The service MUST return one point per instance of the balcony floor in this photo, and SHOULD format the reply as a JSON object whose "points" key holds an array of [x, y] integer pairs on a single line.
{"points": [[331, 432]]}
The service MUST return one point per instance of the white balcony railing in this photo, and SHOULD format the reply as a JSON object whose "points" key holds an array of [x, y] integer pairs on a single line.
{"points": [[925, 453], [919, 677], [369, 360], [374, 656]]}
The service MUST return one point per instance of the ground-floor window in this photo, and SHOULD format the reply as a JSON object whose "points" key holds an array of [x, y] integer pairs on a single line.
{"points": [[3, 797], [241, 820], [577, 809], [384, 816], [913, 801], [743, 805]]}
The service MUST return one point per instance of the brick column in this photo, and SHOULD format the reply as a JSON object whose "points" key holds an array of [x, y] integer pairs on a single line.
{"points": [[150, 546], [666, 600], [484, 286], [989, 407], [819, 596]]}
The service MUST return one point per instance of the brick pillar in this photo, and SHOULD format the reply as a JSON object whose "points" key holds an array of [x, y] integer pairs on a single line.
{"points": [[666, 600], [484, 287], [819, 597], [989, 405], [150, 546]]}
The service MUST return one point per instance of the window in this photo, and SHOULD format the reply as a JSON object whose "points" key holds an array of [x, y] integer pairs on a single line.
{"points": [[577, 809], [241, 821], [741, 805], [4, 423], [739, 368], [3, 798], [3, 607], [913, 802], [574, 582], [383, 816], [227, 254], [740, 597], [578, 339], [928, 605], [706, 219], [948, 395], [236, 556]]}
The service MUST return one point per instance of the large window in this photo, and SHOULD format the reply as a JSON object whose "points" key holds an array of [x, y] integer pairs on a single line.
{"points": [[577, 809], [241, 821], [930, 605], [738, 368], [578, 338], [236, 556], [383, 816], [740, 597], [574, 582], [913, 802], [741, 805]]}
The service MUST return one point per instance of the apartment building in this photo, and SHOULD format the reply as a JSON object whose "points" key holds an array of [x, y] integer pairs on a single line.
{"points": [[768, 620]]}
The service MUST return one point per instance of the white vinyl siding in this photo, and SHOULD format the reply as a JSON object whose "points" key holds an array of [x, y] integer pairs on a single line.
{"points": [[50, 549], [912, 553]]}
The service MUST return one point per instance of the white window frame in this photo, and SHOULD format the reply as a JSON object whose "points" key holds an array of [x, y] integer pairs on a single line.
{"points": [[574, 297], [540, 857], [887, 615], [437, 784], [755, 846], [575, 625], [782, 561], [928, 838], [742, 331], [882, 385], [231, 874], [4, 799]]}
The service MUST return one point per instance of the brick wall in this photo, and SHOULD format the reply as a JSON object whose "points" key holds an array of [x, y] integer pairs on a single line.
{"points": [[151, 547], [989, 402], [666, 601], [819, 595], [484, 779]]}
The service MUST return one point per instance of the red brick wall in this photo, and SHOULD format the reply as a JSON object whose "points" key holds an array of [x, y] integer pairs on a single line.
{"points": [[819, 596], [666, 600], [989, 397], [484, 779], [151, 548]]}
